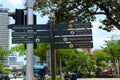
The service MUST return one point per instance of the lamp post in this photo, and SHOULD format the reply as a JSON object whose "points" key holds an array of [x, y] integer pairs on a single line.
{"points": [[29, 50]]}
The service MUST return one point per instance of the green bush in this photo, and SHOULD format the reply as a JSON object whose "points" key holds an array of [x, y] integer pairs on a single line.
{"points": [[117, 76]]}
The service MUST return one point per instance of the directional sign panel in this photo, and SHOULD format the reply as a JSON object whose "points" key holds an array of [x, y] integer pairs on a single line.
{"points": [[22, 40], [29, 27], [30, 40], [73, 39], [23, 34], [66, 32], [43, 33], [42, 40], [47, 26], [73, 25], [30, 33], [74, 32], [74, 45], [56, 33]]}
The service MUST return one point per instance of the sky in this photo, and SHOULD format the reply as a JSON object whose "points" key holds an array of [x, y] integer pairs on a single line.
{"points": [[98, 35]]}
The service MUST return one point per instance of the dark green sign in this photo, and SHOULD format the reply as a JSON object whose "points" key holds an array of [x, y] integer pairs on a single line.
{"points": [[22, 40], [47, 26], [74, 32], [73, 39], [73, 25], [29, 27], [23, 34], [74, 45]]}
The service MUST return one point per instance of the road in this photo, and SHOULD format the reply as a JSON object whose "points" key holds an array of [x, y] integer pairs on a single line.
{"points": [[86, 79], [98, 79]]}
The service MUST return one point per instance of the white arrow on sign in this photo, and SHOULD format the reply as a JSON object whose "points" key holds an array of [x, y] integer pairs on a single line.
{"points": [[37, 40]]}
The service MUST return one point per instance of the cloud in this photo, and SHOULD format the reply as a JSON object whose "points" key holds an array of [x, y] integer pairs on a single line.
{"points": [[99, 35], [16, 3]]}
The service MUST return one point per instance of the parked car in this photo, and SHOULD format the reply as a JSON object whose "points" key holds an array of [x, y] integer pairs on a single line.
{"points": [[106, 74]]}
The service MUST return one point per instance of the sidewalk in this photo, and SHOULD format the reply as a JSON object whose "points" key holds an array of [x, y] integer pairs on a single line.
{"points": [[98, 79], [17, 79]]}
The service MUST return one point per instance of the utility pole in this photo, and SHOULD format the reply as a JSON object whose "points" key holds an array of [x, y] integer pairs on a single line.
{"points": [[29, 50], [53, 56]]}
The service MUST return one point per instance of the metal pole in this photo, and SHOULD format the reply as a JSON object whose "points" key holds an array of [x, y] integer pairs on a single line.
{"points": [[61, 70], [29, 62], [53, 59]]}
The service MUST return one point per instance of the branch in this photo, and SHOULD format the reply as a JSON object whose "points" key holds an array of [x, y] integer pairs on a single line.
{"points": [[107, 13]]}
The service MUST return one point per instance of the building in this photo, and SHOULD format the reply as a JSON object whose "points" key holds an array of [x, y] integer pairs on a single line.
{"points": [[36, 60], [4, 31], [14, 60]]}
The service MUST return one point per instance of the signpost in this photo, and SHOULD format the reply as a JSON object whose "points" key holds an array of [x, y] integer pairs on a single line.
{"points": [[60, 36], [41, 33]]}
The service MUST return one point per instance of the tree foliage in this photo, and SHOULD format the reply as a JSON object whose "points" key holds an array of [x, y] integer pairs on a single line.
{"points": [[83, 11], [113, 48], [19, 48], [3, 53], [40, 51], [83, 62]]}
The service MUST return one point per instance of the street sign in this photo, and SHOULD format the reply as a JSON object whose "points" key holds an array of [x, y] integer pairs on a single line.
{"points": [[73, 39], [47, 26], [74, 45], [23, 34], [74, 32], [42, 40], [43, 33], [47, 33], [30, 33], [30, 40], [22, 40], [73, 25], [21, 27], [29, 27]]}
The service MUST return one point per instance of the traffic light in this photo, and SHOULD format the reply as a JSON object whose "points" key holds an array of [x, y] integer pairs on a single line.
{"points": [[18, 16], [21, 19]]}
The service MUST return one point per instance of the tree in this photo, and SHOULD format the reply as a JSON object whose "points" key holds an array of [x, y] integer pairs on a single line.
{"points": [[40, 51], [19, 48], [113, 48], [65, 55], [102, 61], [3, 53], [83, 11]]}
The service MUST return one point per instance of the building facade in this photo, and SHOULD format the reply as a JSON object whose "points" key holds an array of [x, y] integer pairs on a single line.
{"points": [[4, 31]]}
